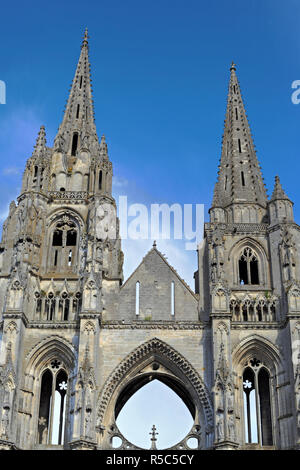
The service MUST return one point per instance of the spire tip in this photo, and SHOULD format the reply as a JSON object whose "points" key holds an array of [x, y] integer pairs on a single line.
{"points": [[233, 66], [85, 41]]}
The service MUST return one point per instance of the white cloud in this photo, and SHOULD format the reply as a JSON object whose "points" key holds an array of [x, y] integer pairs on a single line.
{"points": [[119, 182], [13, 170]]}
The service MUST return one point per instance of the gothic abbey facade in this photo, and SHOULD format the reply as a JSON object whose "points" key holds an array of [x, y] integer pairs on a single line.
{"points": [[76, 339]]}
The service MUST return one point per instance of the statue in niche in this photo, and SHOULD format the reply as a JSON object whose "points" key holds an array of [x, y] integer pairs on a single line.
{"points": [[5, 421], [287, 249], [59, 143], [217, 257], [214, 276], [22, 214], [220, 399], [85, 141], [99, 254], [231, 427], [78, 401], [230, 401], [220, 428], [87, 421]]}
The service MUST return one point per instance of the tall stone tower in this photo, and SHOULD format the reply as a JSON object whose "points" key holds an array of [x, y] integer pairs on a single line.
{"points": [[77, 342]]}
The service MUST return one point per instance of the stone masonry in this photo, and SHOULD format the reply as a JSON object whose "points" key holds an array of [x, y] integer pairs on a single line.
{"points": [[73, 334]]}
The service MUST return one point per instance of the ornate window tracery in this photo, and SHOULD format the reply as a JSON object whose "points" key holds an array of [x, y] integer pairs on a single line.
{"points": [[248, 267], [62, 306], [257, 404], [64, 246]]}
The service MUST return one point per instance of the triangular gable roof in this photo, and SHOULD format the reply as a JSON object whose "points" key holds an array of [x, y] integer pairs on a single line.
{"points": [[154, 249]]}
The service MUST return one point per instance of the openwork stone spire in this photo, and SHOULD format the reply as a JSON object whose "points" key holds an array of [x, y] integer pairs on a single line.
{"points": [[79, 111], [239, 178]]}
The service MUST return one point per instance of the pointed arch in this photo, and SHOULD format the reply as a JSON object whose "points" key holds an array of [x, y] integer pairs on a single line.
{"points": [[164, 352], [261, 255], [259, 346], [53, 347]]}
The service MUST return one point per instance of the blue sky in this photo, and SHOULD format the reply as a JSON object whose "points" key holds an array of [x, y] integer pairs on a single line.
{"points": [[160, 73]]}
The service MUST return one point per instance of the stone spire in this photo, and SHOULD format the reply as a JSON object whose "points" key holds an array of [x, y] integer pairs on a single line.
{"points": [[239, 178], [79, 112], [278, 192]]}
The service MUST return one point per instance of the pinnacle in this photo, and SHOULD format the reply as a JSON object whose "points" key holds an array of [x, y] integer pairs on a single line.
{"points": [[40, 141], [103, 146], [278, 192]]}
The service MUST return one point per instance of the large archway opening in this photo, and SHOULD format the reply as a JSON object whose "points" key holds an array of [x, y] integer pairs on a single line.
{"points": [[155, 400]]}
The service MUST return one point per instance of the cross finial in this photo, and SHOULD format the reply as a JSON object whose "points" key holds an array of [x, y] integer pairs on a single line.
{"points": [[153, 433], [233, 66], [154, 244]]}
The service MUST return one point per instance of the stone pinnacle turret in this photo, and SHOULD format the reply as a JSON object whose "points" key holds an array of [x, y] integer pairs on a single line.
{"points": [[278, 192]]}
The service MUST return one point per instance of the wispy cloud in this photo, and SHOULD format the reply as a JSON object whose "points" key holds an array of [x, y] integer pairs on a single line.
{"points": [[119, 182], [12, 170]]}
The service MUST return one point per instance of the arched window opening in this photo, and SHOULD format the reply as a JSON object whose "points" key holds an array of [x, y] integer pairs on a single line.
{"points": [[64, 306], [59, 408], [71, 238], [77, 111], [70, 258], [239, 144], [38, 304], [62, 256], [172, 298], [250, 409], [52, 410], [248, 267], [45, 404], [80, 85], [100, 180], [131, 403], [74, 144], [50, 307], [265, 407], [76, 307], [236, 114], [243, 178], [137, 298], [245, 313], [57, 238], [257, 404], [42, 178]]}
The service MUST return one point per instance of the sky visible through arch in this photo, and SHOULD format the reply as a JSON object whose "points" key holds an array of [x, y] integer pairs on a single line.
{"points": [[160, 73]]}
